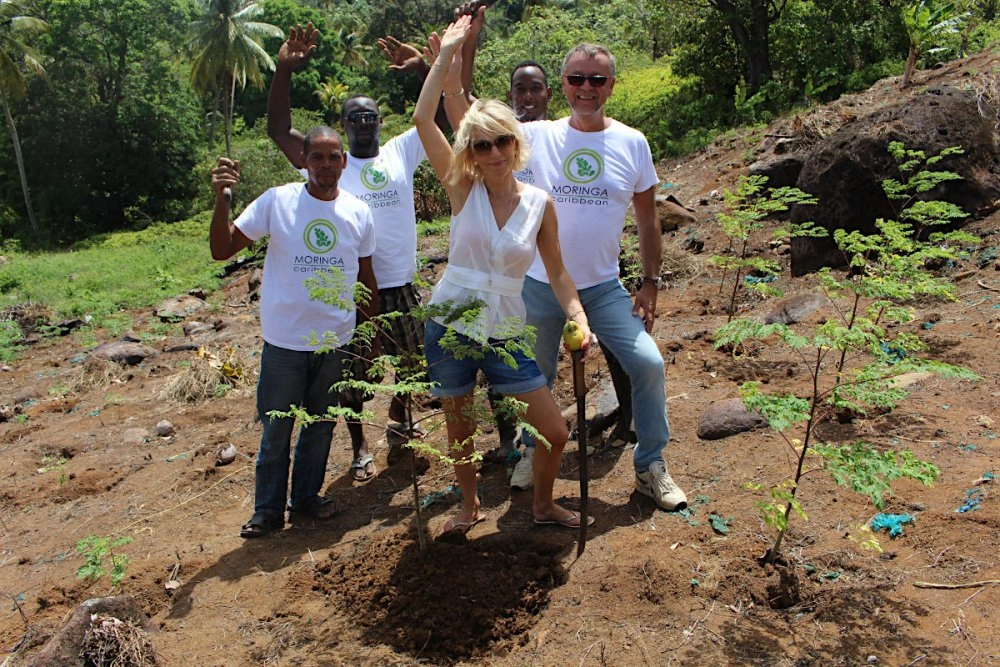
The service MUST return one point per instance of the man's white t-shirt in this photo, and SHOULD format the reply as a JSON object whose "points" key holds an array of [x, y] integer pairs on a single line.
{"points": [[308, 235], [385, 183], [591, 177]]}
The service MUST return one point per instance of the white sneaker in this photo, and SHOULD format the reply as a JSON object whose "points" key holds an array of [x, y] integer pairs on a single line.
{"points": [[658, 485], [523, 477]]}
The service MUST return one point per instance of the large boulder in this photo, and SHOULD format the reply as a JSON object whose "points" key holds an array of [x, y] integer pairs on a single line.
{"points": [[846, 170]]}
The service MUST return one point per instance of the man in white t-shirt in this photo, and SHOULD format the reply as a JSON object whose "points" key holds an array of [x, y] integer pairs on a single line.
{"points": [[315, 229], [382, 177], [594, 167]]}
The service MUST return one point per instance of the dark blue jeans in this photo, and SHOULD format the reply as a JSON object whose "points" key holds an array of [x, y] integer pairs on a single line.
{"points": [[304, 379]]}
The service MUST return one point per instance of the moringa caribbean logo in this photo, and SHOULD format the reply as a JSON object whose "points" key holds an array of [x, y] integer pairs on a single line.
{"points": [[583, 166], [320, 236], [374, 177]]}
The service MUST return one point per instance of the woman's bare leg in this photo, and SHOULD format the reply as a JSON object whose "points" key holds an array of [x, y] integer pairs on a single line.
{"points": [[460, 429], [543, 414]]}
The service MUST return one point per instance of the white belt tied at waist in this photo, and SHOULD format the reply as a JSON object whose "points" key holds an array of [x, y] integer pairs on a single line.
{"points": [[481, 280]]}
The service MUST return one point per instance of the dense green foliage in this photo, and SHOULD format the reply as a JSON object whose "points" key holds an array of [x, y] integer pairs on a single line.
{"points": [[115, 136]]}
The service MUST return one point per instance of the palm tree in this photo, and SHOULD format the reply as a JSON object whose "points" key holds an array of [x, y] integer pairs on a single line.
{"points": [[15, 54], [349, 43], [227, 51]]}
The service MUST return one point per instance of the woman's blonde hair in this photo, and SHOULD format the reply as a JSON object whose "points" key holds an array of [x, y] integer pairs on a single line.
{"points": [[491, 118]]}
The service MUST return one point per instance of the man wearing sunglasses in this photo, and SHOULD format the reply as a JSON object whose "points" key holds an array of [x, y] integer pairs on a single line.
{"points": [[594, 167], [382, 177]]}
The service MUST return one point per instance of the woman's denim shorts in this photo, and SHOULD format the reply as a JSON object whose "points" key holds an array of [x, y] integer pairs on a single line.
{"points": [[456, 377]]}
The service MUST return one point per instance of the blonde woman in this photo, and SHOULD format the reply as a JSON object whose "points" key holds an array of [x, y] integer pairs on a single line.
{"points": [[497, 224]]}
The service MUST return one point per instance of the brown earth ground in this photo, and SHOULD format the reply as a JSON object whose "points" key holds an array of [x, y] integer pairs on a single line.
{"points": [[652, 588]]}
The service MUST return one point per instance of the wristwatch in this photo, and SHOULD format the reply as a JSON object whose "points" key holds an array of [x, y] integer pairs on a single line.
{"points": [[652, 281]]}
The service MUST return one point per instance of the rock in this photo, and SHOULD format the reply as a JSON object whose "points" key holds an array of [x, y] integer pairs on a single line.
{"points": [[136, 436], [131, 337], [123, 352], [193, 328], [253, 286], [163, 429], [672, 214], [910, 379], [65, 647], [794, 308], [780, 172], [179, 307], [845, 171], [225, 455], [25, 394], [729, 417], [66, 327]]}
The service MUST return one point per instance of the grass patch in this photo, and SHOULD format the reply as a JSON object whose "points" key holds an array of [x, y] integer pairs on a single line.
{"points": [[435, 227], [105, 274]]}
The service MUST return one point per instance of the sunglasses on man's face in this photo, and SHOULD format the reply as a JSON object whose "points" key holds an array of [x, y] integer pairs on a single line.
{"points": [[596, 80], [362, 117], [484, 146]]}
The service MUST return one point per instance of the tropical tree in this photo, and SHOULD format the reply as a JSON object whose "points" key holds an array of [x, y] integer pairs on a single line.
{"points": [[749, 22], [226, 45], [927, 21], [15, 55]]}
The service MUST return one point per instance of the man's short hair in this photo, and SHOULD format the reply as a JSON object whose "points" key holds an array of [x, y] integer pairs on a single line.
{"points": [[528, 63], [318, 132], [591, 51]]}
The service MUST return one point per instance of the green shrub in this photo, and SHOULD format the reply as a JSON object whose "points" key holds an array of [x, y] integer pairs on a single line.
{"points": [[656, 101]]}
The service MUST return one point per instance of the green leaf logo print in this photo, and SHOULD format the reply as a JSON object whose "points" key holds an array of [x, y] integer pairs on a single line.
{"points": [[374, 177], [583, 166], [320, 236]]}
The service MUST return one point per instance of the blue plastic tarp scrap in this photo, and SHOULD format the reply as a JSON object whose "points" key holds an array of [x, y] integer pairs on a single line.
{"points": [[891, 522], [973, 498]]}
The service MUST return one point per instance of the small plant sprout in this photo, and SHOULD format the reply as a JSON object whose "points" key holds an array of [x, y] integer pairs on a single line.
{"points": [[854, 357], [50, 463], [747, 208], [99, 555]]}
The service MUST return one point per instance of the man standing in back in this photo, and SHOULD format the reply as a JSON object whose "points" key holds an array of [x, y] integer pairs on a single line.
{"points": [[382, 177]]}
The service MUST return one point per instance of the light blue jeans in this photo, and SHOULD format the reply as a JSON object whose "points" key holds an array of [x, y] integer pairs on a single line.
{"points": [[290, 377], [609, 313]]}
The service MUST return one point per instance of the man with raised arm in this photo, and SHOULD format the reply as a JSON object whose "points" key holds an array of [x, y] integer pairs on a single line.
{"points": [[313, 227], [594, 167], [382, 177]]}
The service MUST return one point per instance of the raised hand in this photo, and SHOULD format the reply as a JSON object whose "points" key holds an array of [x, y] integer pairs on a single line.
{"points": [[456, 33], [477, 10], [402, 56], [299, 47]]}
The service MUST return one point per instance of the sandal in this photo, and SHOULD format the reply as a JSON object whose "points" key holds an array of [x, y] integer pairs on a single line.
{"points": [[456, 530], [317, 508], [259, 526], [363, 468]]}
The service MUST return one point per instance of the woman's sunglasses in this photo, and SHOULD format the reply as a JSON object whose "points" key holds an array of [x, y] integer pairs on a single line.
{"points": [[484, 146], [596, 80]]}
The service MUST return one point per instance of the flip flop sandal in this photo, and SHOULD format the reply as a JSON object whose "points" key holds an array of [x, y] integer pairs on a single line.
{"points": [[260, 526], [318, 508], [360, 468], [456, 530]]}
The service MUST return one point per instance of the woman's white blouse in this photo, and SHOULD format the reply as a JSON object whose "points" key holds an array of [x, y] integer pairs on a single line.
{"points": [[488, 263]]}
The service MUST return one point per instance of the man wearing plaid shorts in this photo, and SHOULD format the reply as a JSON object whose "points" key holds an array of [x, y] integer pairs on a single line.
{"points": [[382, 177]]}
